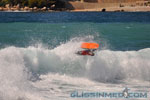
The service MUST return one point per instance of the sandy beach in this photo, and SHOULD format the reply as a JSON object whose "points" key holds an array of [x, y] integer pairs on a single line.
{"points": [[84, 9], [115, 9]]}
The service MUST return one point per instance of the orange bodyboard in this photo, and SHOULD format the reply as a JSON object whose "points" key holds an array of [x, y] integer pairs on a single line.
{"points": [[90, 45]]}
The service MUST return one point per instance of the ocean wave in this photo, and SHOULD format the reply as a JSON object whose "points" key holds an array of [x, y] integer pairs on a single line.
{"points": [[19, 67], [105, 66]]}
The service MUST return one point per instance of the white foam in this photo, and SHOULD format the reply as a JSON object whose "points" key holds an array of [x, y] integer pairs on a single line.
{"points": [[18, 65]]}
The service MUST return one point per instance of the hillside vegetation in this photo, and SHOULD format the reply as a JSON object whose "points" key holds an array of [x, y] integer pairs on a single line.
{"points": [[29, 3]]}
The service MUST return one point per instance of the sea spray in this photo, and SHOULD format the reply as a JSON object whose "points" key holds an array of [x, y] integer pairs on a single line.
{"points": [[106, 66]]}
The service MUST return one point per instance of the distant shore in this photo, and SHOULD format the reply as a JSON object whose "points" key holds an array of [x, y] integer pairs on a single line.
{"points": [[107, 9], [24, 9], [117, 9]]}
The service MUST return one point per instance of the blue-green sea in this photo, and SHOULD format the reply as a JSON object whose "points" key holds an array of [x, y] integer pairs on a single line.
{"points": [[38, 58]]}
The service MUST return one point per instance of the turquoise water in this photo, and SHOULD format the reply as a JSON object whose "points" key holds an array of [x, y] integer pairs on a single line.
{"points": [[119, 36], [38, 60], [121, 30]]}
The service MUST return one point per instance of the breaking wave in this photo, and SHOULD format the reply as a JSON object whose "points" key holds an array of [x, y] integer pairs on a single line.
{"points": [[18, 66]]}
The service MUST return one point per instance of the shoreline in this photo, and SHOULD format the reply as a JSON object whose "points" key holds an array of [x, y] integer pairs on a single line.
{"points": [[106, 9], [117, 9]]}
